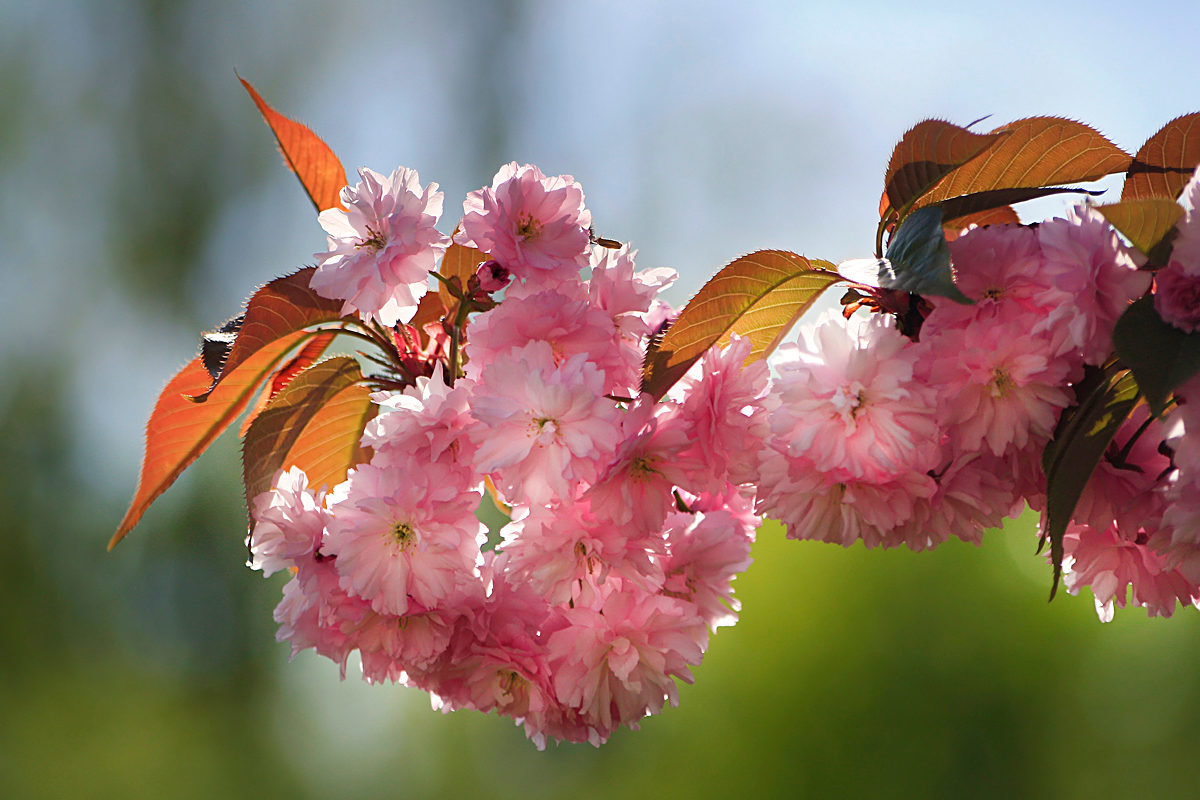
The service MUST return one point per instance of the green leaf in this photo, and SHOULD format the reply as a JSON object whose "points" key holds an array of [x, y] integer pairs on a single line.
{"points": [[1103, 400], [1161, 356], [919, 260], [278, 309], [315, 423], [1165, 163], [1147, 223], [759, 296]]}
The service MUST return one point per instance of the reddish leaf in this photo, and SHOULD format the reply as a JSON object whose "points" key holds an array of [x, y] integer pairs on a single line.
{"points": [[283, 376], [319, 170], [281, 307], [1145, 222], [1035, 152], [927, 153], [758, 296], [461, 262], [1004, 215], [1166, 161], [315, 423], [180, 430]]}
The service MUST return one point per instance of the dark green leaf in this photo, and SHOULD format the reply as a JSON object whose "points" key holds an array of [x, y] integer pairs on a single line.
{"points": [[1103, 400], [919, 260], [1161, 356]]}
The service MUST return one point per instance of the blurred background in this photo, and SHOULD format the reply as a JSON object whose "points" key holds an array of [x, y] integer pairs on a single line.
{"points": [[142, 200]]}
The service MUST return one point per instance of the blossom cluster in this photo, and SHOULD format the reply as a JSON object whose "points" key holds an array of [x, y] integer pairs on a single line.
{"points": [[893, 438], [628, 517]]}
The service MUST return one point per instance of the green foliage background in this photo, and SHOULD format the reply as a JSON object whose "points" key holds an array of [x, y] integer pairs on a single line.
{"points": [[141, 203]]}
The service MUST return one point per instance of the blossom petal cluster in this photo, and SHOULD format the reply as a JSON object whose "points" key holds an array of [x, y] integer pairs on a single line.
{"points": [[628, 517], [910, 439]]}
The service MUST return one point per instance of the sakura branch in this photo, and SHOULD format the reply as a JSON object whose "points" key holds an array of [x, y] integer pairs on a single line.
{"points": [[978, 366]]}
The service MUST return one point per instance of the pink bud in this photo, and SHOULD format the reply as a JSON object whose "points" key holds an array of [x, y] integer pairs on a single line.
{"points": [[493, 276]]}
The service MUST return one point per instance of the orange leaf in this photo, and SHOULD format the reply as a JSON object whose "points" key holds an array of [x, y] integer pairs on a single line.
{"points": [[319, 170], [929, 151], [1166, 161], [180, 430], [458, 261], [283, 376], [1004, 215], [1034, 152], [279, 308], [315, 423], [758, 296]]}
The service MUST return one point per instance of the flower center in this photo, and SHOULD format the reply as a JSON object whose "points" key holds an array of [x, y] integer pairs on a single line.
{"points": [[403, 534], [642, 468], [1002, 383], [375, 240], [528, 227], [849, 400]]}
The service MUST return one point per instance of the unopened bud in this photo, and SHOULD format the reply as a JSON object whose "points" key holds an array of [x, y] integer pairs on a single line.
{"points": [[493, 276]]}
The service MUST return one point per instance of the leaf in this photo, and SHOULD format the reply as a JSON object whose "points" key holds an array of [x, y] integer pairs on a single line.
{"points": [[928, 152], [315, 423], [1161, 356], [1104, 398], [1165, 163], [180, 430], [1147, 223], [1003, 215], [758, 296], [918, 260], [281, 307], [458, 261], [283, 376], [981, 202], [1035, 152], [215, 345], [319, 170]]}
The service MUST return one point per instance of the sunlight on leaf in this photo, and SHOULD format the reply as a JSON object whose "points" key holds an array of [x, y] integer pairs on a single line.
{"points": [[320, 171], [1165, 163], [926, 153], [758, 296], [1035, 152], [180, 429], [315, 423], [1146, 223], [280, 308]]}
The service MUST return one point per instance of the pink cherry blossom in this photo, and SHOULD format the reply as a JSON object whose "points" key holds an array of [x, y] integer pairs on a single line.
{"points": [[427, 423], [403, 535], [617, 663], [545, 426], [529, 223], [1114, 565], [846, 400], [1099, 273], [997, 387], [289, 521], [722, 406], [708, 550], [383, 247], [1177, 296]]}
